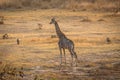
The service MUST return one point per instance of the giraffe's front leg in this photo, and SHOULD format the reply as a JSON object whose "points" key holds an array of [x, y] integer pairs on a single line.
{"points": [[60, 56], [64, 55]]}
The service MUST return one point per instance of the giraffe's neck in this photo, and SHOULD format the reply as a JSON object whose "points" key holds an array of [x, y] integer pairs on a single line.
{"points": [[60, 34]]}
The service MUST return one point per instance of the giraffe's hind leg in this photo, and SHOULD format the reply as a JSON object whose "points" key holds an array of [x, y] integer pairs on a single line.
{"points": [[76, 59], [75, 56], [71, 56]]}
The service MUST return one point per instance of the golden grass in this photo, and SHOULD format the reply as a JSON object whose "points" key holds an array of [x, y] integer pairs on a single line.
{"points": [[9, 72], [106, 5], [38, 49]]}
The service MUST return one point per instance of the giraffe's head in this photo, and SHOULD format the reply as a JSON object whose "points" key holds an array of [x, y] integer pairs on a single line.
{"points": [[52, 21]]}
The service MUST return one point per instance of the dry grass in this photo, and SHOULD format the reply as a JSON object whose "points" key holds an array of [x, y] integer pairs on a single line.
{"points": [[104, 5], [38, 53], [9, 72]]}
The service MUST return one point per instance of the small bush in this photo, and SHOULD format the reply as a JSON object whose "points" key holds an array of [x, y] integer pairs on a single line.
{"points": [[9, 72]]}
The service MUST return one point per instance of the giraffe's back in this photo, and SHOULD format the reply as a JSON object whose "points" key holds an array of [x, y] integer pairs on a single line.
{"points": [[66, 43]]}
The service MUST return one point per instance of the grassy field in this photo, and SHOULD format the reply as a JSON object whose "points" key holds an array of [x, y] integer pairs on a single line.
{"points": [[38, 53]]}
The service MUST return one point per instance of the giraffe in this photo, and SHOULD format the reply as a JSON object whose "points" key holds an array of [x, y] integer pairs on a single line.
{"points": [[64, 43]]}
